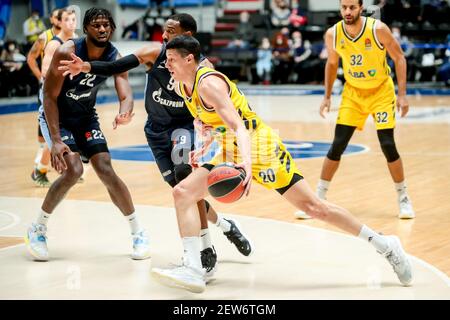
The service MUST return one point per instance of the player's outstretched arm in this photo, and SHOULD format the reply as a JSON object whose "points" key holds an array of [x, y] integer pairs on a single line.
{"points": [[75, 65], [214, 93], [52, 88], [125, 96], [396, 53]]}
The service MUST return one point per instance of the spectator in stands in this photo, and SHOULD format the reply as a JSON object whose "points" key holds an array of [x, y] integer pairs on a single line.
{"points": [[444, 70], [434, 11], [12, 62], [281, 57], [297, 17], [244, 36], [33, 27], [280, 13], [264, 61], [303, 62]]}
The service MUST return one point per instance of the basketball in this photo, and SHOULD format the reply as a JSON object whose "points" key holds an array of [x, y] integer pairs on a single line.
{"points": [[226, 182]]}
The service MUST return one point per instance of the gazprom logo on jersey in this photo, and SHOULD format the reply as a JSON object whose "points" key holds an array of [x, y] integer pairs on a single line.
{"points": [[298, 149], [71, 94], [169, 103], [372, 72]]}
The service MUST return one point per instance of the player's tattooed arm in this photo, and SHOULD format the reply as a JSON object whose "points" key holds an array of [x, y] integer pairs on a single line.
{"points": [[125, 96], [52, 89]]}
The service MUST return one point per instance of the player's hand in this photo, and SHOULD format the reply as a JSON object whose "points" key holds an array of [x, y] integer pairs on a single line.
{"points": [[247, 166], [122, 119], [72, 67], [325, 107], [402, 105], [58, 150], [203, 129]]}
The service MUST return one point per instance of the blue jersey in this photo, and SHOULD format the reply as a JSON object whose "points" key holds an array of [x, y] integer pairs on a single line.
{"points": [[76, 101], [164, 106]]}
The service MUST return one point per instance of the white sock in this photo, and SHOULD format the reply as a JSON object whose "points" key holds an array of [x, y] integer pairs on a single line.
{"points": [[42, 167], [322, 188], [401, 189], [134, 223], [377, 240], [206, 238], [43, 217], [223, 224], [192, 247], [39, 152]]}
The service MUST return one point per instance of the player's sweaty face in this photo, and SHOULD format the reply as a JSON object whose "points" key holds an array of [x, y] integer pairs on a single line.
{"points": [[350, 11], [176, 64], [171, 30], [100, 29]]}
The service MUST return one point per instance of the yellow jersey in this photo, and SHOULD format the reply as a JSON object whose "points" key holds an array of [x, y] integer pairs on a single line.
{"points": [[207, 113], [48, 36], [363, 57]]}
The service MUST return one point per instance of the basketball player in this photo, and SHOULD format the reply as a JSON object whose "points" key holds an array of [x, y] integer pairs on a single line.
{"points": [[71, 128], [362, 43], [42, 159], [169, 128], [254, 146]]}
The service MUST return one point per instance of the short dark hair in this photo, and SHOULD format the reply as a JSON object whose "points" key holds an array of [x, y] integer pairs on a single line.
{"points": [[94, 13], [187, 22], [360, 2], [185, 45]]}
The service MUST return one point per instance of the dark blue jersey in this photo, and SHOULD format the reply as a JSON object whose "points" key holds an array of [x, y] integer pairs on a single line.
{"points": [[164, 107], [76, 101]]}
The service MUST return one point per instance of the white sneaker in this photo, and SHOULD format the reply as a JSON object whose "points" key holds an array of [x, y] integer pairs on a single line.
{"points": [[36, 241], [406, 209], [302, 215], [141, 248], [183, 276], [399, 260]]}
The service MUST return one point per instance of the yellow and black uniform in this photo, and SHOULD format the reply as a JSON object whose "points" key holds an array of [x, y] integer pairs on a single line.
{"points": [[49, 35], [272, 164], [369, 88]]}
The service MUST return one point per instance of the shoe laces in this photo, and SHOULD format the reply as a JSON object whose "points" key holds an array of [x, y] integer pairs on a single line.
{"points": [[40, 231]]}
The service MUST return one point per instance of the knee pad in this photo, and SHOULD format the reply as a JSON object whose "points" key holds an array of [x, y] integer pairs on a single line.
{"points": [[342, 136], [387, 143], [182, 171]]}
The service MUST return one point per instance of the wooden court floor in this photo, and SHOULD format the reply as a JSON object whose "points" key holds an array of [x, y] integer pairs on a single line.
{"points": [[362, 184]]}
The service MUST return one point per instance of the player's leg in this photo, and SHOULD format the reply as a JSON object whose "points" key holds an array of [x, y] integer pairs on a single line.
{"points": [[94, 147], [186, 195], [301, 196], [35, 238], [42, 159], [384, 116]]}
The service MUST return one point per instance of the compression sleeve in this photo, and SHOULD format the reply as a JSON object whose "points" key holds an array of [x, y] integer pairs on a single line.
{"points": [[110, 68]]}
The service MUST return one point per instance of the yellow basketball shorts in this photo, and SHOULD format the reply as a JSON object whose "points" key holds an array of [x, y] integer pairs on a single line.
{"points": [[272, 165], [357, 104]]}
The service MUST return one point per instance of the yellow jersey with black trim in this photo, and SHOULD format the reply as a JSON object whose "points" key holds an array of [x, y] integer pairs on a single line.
{"points": [[363, 57], [208, 114], [48, 36]]}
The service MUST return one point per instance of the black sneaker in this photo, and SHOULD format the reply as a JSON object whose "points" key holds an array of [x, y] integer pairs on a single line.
{"points": [[238, 239], [209, 260], [40, 179]]}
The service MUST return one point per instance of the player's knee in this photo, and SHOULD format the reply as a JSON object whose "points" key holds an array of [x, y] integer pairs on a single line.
{"points": [[317, 210], [105, 172], [387, 143], [182, 171], [181, 194], [337, 149], [73, 173]]}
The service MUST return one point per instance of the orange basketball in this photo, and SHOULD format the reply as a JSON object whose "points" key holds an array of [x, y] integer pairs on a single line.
{"points": [[226, 182]]}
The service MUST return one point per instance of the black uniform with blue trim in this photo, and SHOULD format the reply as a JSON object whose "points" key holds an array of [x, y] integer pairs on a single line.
{"points": [[169, 128], [78, 120]]}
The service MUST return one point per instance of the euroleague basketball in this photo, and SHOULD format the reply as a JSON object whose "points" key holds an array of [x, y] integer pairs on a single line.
{"points": [[226, 182]]}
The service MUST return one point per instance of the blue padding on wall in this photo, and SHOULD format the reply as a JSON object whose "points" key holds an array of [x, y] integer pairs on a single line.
{"points": [[176, 3]]}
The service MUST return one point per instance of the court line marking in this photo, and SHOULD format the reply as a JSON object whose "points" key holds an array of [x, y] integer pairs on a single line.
{"points": [[425, 264], [16, 220]]}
